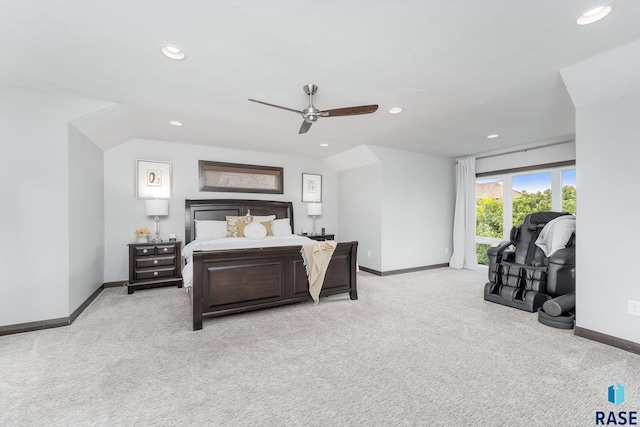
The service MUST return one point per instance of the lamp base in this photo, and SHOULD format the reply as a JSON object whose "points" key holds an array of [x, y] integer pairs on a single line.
{"points": [[157, 239], [313, 231]]}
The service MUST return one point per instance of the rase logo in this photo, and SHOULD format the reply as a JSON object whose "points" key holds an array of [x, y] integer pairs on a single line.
{"points": [[615, 395]]}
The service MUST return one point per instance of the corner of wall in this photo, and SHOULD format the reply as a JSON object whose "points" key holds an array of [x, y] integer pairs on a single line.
{"points": [[351, 159]]}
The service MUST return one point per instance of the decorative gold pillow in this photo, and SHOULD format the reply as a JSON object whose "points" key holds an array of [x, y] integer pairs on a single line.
{"points": [[236, 225], [267, 225]]}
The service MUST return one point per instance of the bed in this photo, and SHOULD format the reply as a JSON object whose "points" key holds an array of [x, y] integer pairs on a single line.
{"points": [[229, 280]]}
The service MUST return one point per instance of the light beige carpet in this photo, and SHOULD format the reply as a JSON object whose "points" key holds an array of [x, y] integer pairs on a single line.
{"points": [[416, 349]]}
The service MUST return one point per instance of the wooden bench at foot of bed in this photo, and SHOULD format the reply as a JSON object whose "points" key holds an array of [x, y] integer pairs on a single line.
{"points": [[233, 281]]}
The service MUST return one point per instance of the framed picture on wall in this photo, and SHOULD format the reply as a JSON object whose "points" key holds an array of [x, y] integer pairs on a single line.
{"points": [[311, 187], [240, 178], [153, 179]]}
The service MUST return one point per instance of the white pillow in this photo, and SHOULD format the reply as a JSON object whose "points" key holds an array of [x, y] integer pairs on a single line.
{"points": [[207, 230], [255, 231], [281, 227], [264, 218]]}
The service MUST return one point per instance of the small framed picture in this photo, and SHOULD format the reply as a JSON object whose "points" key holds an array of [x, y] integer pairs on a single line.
{"points": [[153, 179], [311, 188]]}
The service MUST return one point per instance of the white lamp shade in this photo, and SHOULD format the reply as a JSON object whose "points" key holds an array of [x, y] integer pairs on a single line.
{"points": [[157, 207], [314, 209]]}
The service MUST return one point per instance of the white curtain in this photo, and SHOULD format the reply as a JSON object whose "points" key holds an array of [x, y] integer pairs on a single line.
{"points": [[464, 221]]}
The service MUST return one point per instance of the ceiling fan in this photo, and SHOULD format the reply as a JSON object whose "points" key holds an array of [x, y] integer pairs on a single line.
{"points": [[311, 113]]}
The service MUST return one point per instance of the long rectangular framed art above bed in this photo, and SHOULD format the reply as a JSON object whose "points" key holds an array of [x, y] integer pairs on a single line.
{"points": [[236, 280]]}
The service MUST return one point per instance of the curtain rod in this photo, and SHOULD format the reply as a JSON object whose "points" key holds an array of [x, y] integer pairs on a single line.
{"points": [[522, 150]]}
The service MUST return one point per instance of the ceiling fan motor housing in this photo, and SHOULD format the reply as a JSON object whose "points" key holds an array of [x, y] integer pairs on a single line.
{"points": [[310, 114]]}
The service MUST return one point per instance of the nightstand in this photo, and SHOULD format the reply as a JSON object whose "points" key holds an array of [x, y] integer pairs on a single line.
{"points": [[154, 264], [321, 237]]}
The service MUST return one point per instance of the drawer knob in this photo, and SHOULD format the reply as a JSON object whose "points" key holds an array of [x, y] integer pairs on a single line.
{"points": [[166, 249], [144, 251], [155, 273], [155, 261]]}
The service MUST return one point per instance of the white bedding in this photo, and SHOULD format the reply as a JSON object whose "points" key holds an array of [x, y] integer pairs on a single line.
{"points": [[234, 243]]}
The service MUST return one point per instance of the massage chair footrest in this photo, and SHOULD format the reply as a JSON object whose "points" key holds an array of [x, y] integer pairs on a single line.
{"points": [[563, 321]]}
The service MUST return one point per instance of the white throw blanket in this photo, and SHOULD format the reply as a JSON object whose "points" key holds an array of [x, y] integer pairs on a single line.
{"points": [[316, 257], [556, 234]]}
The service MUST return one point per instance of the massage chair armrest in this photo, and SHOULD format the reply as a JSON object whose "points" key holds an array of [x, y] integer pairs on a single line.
{"points": [[561, 272], [564, 257], [498, 250], [509, 256]]}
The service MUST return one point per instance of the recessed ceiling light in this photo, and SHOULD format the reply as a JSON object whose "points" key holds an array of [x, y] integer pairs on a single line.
{"points": [[172, 52], [395, 110], [176, 123], [324, 145], [594, 14], [493, 135]]}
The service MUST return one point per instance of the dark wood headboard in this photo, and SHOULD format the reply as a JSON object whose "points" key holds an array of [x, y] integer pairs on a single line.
{"points": [[218, 209]]}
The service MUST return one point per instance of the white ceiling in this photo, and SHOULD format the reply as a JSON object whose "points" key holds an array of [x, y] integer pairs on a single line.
{"points": [[461, 69]]}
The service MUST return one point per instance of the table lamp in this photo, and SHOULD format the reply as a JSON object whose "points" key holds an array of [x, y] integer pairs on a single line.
{"points": [[313, 210], [157, 208]]}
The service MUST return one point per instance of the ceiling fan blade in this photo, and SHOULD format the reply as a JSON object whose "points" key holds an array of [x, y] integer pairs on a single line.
{"points": [[277, 106], [305, 127], [350, 111]]}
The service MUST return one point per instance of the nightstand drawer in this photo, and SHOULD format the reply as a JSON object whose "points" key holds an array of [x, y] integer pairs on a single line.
{"points": [[155, 250], [155, 262], [155, 273], [145, 250], [165, 250]]}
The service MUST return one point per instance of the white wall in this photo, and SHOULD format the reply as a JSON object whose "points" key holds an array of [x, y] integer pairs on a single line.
{"points": [[608, 150], [86, 218], [421, 188], [34, 259], [399, 209], [606, 92], [360, 212], [124, 213]]}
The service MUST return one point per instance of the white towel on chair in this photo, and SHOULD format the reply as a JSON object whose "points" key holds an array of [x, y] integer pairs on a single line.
{"points": [[556, 234]]}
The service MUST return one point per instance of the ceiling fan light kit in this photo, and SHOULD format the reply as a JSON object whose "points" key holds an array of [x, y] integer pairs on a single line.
{"points": [[311, 113]]}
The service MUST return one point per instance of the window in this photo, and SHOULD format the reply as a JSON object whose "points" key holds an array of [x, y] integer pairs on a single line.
{"points": [[489, 213], [569, 191], [503, 201], [531, 193]]}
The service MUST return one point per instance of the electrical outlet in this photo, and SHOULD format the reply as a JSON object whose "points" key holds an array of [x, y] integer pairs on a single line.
{"points": [[369, 254], [446, 249], [634, 308]]}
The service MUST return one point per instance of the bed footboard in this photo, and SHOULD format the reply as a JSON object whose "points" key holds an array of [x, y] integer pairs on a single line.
{"points": [[234, 281]]}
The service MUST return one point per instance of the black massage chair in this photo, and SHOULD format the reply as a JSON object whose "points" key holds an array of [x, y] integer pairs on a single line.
{"points": [[525, 278]]}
